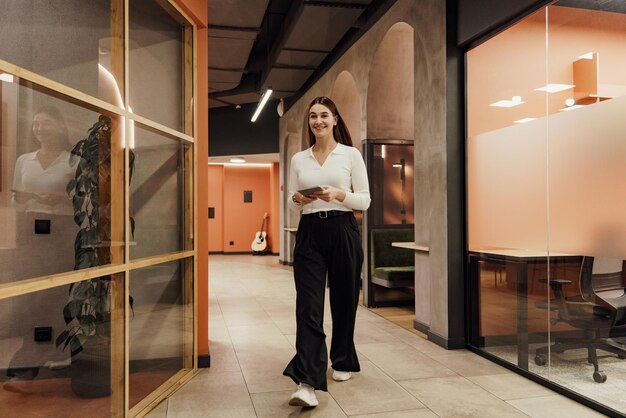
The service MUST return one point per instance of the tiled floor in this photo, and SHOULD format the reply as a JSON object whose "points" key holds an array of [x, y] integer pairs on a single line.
{"points": [[252, 337]]}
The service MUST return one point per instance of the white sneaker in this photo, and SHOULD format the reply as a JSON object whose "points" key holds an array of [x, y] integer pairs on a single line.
{"points": [[341, 376], [304, 396]]}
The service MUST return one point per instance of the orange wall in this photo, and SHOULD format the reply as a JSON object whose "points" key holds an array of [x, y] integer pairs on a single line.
{"points": [[244, 219], [514, 63], [198, 11], [238, 221], [274, 230], [555, 182], [216, 200]]}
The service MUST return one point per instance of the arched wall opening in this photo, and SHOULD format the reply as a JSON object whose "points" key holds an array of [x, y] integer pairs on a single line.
{"points": [[346, 97], [390, 95]]}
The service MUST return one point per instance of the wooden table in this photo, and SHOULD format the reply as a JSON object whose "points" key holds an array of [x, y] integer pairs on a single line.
{"points": [[411, 246], [520, 259]]}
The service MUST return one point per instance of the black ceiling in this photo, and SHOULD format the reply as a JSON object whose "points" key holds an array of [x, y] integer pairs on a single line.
{"points": [[282, 44]]}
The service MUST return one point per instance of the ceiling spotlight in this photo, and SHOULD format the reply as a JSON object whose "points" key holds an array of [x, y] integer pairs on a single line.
{"points": [[280, 109], [238, 107]]}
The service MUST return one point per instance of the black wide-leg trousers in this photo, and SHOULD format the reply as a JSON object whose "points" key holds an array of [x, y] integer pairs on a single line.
{"points": [[324, 246]]}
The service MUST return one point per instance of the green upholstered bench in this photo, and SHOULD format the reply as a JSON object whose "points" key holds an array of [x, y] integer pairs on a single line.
{"points": [[391, 266]]}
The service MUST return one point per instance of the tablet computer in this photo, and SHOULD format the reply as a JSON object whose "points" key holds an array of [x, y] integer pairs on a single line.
{"points": [[310, 190]]}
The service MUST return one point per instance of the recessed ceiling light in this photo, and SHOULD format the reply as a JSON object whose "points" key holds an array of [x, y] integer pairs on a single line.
{"points": [[238, 160], [524, 120], [570, 102], [515, 101], [554, 88]]}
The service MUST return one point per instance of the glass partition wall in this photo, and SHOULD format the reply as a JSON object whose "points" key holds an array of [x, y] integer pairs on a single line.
{"points": [[97, 256], [546, 100]]}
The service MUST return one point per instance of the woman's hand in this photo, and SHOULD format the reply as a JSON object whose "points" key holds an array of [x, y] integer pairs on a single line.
{"points": [[304, 200], [330, 193]]}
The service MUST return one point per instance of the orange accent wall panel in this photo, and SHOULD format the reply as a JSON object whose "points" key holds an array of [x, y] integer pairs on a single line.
{"points": [[243, 220], [216, 201], [202, 150], [198, 10]]}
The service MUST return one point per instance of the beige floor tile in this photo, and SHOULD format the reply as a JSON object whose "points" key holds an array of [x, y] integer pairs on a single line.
{"points": [[223, 357], [510, 386], [268, 380], [367, 332], [470, 364], [159, 412], [275, 404], [422, 344], [371, 391], [555, 406], [219, 395], [458, 397], [414, 413], [252, 338], [259, 337], [286, 326], [401, 361]]}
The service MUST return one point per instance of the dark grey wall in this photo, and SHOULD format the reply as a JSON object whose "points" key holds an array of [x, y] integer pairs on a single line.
{"points": [[478, 17], [455, 173], [232, 133]]}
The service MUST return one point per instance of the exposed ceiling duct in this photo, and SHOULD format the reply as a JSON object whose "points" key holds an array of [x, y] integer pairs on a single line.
{"points": [[282, 44]]}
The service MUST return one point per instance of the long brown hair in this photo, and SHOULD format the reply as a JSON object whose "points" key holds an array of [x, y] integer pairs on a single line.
{"points": [[340, 130]]}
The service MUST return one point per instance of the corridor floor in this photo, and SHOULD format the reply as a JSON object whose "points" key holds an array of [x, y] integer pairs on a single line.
{"points": [[252, 338]]}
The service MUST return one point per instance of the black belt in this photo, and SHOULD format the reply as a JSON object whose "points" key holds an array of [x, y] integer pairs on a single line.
{"points": [[323, 214]]}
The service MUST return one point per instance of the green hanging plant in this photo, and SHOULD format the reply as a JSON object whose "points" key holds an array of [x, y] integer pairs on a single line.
{"points": [[88, 311]]}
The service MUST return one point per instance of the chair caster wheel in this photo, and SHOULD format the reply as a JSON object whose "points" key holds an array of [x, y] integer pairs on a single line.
{"points": [[599, 377], [540, 360]]}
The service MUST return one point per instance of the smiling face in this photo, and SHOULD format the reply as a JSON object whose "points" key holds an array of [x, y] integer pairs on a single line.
{"points": [[46, 129], [321, 121]]}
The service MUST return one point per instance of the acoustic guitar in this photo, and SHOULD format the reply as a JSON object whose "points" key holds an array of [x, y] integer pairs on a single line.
{"points": [[259, 244]]}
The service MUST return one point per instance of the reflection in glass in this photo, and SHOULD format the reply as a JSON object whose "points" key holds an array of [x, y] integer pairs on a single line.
{"points": [[156, 63], [41, 379], [45, 199], [391, 181], [161, 328], [32, 31], [157, 194]]}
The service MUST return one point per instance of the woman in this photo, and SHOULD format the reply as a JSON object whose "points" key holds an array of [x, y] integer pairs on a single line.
{"points": [[40, 177], [39, 182], [327, 242]]}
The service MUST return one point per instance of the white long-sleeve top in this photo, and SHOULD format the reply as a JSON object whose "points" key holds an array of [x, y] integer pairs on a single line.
{"points": [[31, 177], [344, 168]]}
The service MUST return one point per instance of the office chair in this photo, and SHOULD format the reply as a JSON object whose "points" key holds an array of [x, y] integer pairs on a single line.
{"points": [[600, 306]]}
